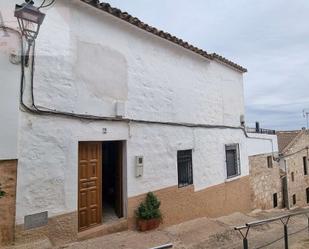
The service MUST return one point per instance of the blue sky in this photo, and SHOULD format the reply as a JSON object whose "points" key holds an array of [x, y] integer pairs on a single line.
{"points": [[270, 38]]}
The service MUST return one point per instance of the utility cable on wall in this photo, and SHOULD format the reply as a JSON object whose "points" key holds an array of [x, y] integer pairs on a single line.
{"points": [[43, 5], [34, 109], [296, 152], [267, 139]]}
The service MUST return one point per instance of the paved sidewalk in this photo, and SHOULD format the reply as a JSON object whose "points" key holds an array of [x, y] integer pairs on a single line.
{"points": [[203, 233], [304, 244]]}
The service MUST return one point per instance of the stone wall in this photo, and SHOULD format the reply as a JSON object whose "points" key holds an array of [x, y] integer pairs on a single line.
{"points": [[294, 162], [264, 182], [7, 203]]}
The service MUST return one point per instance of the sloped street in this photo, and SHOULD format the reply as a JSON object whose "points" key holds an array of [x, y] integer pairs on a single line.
{"points": [[203, 233]]}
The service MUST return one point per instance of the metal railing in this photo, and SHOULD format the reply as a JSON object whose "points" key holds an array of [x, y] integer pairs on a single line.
{"points": [[244, 230], [260, 131], [166, 246]]}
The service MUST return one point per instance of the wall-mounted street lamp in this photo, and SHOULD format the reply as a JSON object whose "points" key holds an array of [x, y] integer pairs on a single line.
{"points": [[29, 19]]}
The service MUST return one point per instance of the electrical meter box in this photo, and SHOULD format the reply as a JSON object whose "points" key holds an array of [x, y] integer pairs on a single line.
{"points": [[139, 165]]}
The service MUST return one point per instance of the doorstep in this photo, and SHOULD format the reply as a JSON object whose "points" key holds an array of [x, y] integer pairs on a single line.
{"points": [[104, 229]]}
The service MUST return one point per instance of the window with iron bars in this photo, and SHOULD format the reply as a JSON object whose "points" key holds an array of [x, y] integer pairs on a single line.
{"points": [[184, 166]]}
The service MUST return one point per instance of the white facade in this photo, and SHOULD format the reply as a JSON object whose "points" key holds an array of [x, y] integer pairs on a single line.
{"points": [[86, 62], [9, 99], [262, 144]]}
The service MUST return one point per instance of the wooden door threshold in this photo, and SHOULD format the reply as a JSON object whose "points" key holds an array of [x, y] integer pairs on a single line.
{"points": [[104, 229]]}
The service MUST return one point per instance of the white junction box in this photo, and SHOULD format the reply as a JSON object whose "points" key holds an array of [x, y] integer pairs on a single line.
{"points": [[139, 166], [120, 109]]}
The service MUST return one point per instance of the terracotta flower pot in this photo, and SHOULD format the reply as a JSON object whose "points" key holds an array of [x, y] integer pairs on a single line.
{"points": [[146, 225]]}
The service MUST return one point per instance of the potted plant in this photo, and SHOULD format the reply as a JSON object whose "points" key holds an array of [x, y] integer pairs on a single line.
{"points": [[148, 213]]}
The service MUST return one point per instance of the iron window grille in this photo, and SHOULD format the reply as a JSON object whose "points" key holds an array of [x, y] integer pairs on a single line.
{"points": [[232, 160], [184, 166]]}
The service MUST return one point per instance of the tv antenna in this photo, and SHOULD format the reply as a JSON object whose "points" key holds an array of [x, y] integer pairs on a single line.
{"points": [[306, 115]]}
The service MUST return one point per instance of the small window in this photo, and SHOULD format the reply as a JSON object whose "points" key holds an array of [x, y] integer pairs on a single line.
{"points": [[292, 176], [307, 195], [232, 160], [275, 200], [305, 165], [184, 166], [269, 161], [294, 199]]}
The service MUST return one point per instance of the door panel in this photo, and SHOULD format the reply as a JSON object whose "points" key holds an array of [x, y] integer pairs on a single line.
{"points": [[82, 220], [118, 183], [89, 184], [83, 200]]}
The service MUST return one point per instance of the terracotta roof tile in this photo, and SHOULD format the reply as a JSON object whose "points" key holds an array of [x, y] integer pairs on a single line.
{"points": [[285, 138], [138, 23]]}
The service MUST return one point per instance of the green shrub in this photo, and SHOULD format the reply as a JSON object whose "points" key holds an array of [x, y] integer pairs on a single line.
{"points": [[2, 193], [150, 208]]}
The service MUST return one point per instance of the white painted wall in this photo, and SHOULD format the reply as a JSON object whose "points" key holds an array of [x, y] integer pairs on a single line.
{"points": [[9, 94], [159, 145], [261, 144], [98, 59], [88, 60]]}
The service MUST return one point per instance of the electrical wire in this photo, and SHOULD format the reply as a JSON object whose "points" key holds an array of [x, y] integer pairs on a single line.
{"points": [[296, 152], [42, 4], [267, 139], [34, 109], [47, 5]]}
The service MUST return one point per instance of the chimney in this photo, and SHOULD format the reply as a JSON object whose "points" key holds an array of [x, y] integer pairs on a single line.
{"points": [[257, 127]]}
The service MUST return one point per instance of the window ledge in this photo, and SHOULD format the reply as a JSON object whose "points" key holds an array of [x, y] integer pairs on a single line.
{"points": [[234, 178]]}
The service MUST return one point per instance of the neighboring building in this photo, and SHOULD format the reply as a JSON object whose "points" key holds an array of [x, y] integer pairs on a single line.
{"points": [[265, 173], [279, 178], [293, 148], [124, 109]]}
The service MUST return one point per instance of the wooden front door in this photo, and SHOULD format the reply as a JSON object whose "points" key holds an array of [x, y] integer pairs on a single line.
{"points": [[89, 185]]}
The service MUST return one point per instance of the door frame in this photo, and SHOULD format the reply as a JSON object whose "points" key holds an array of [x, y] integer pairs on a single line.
{"points": [[124, 180]]}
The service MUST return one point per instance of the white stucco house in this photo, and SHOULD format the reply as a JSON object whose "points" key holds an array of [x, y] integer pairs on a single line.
{"points": [[118, 108]]}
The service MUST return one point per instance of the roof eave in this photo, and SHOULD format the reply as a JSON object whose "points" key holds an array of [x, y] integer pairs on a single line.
{"points": [[162, 34]]}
